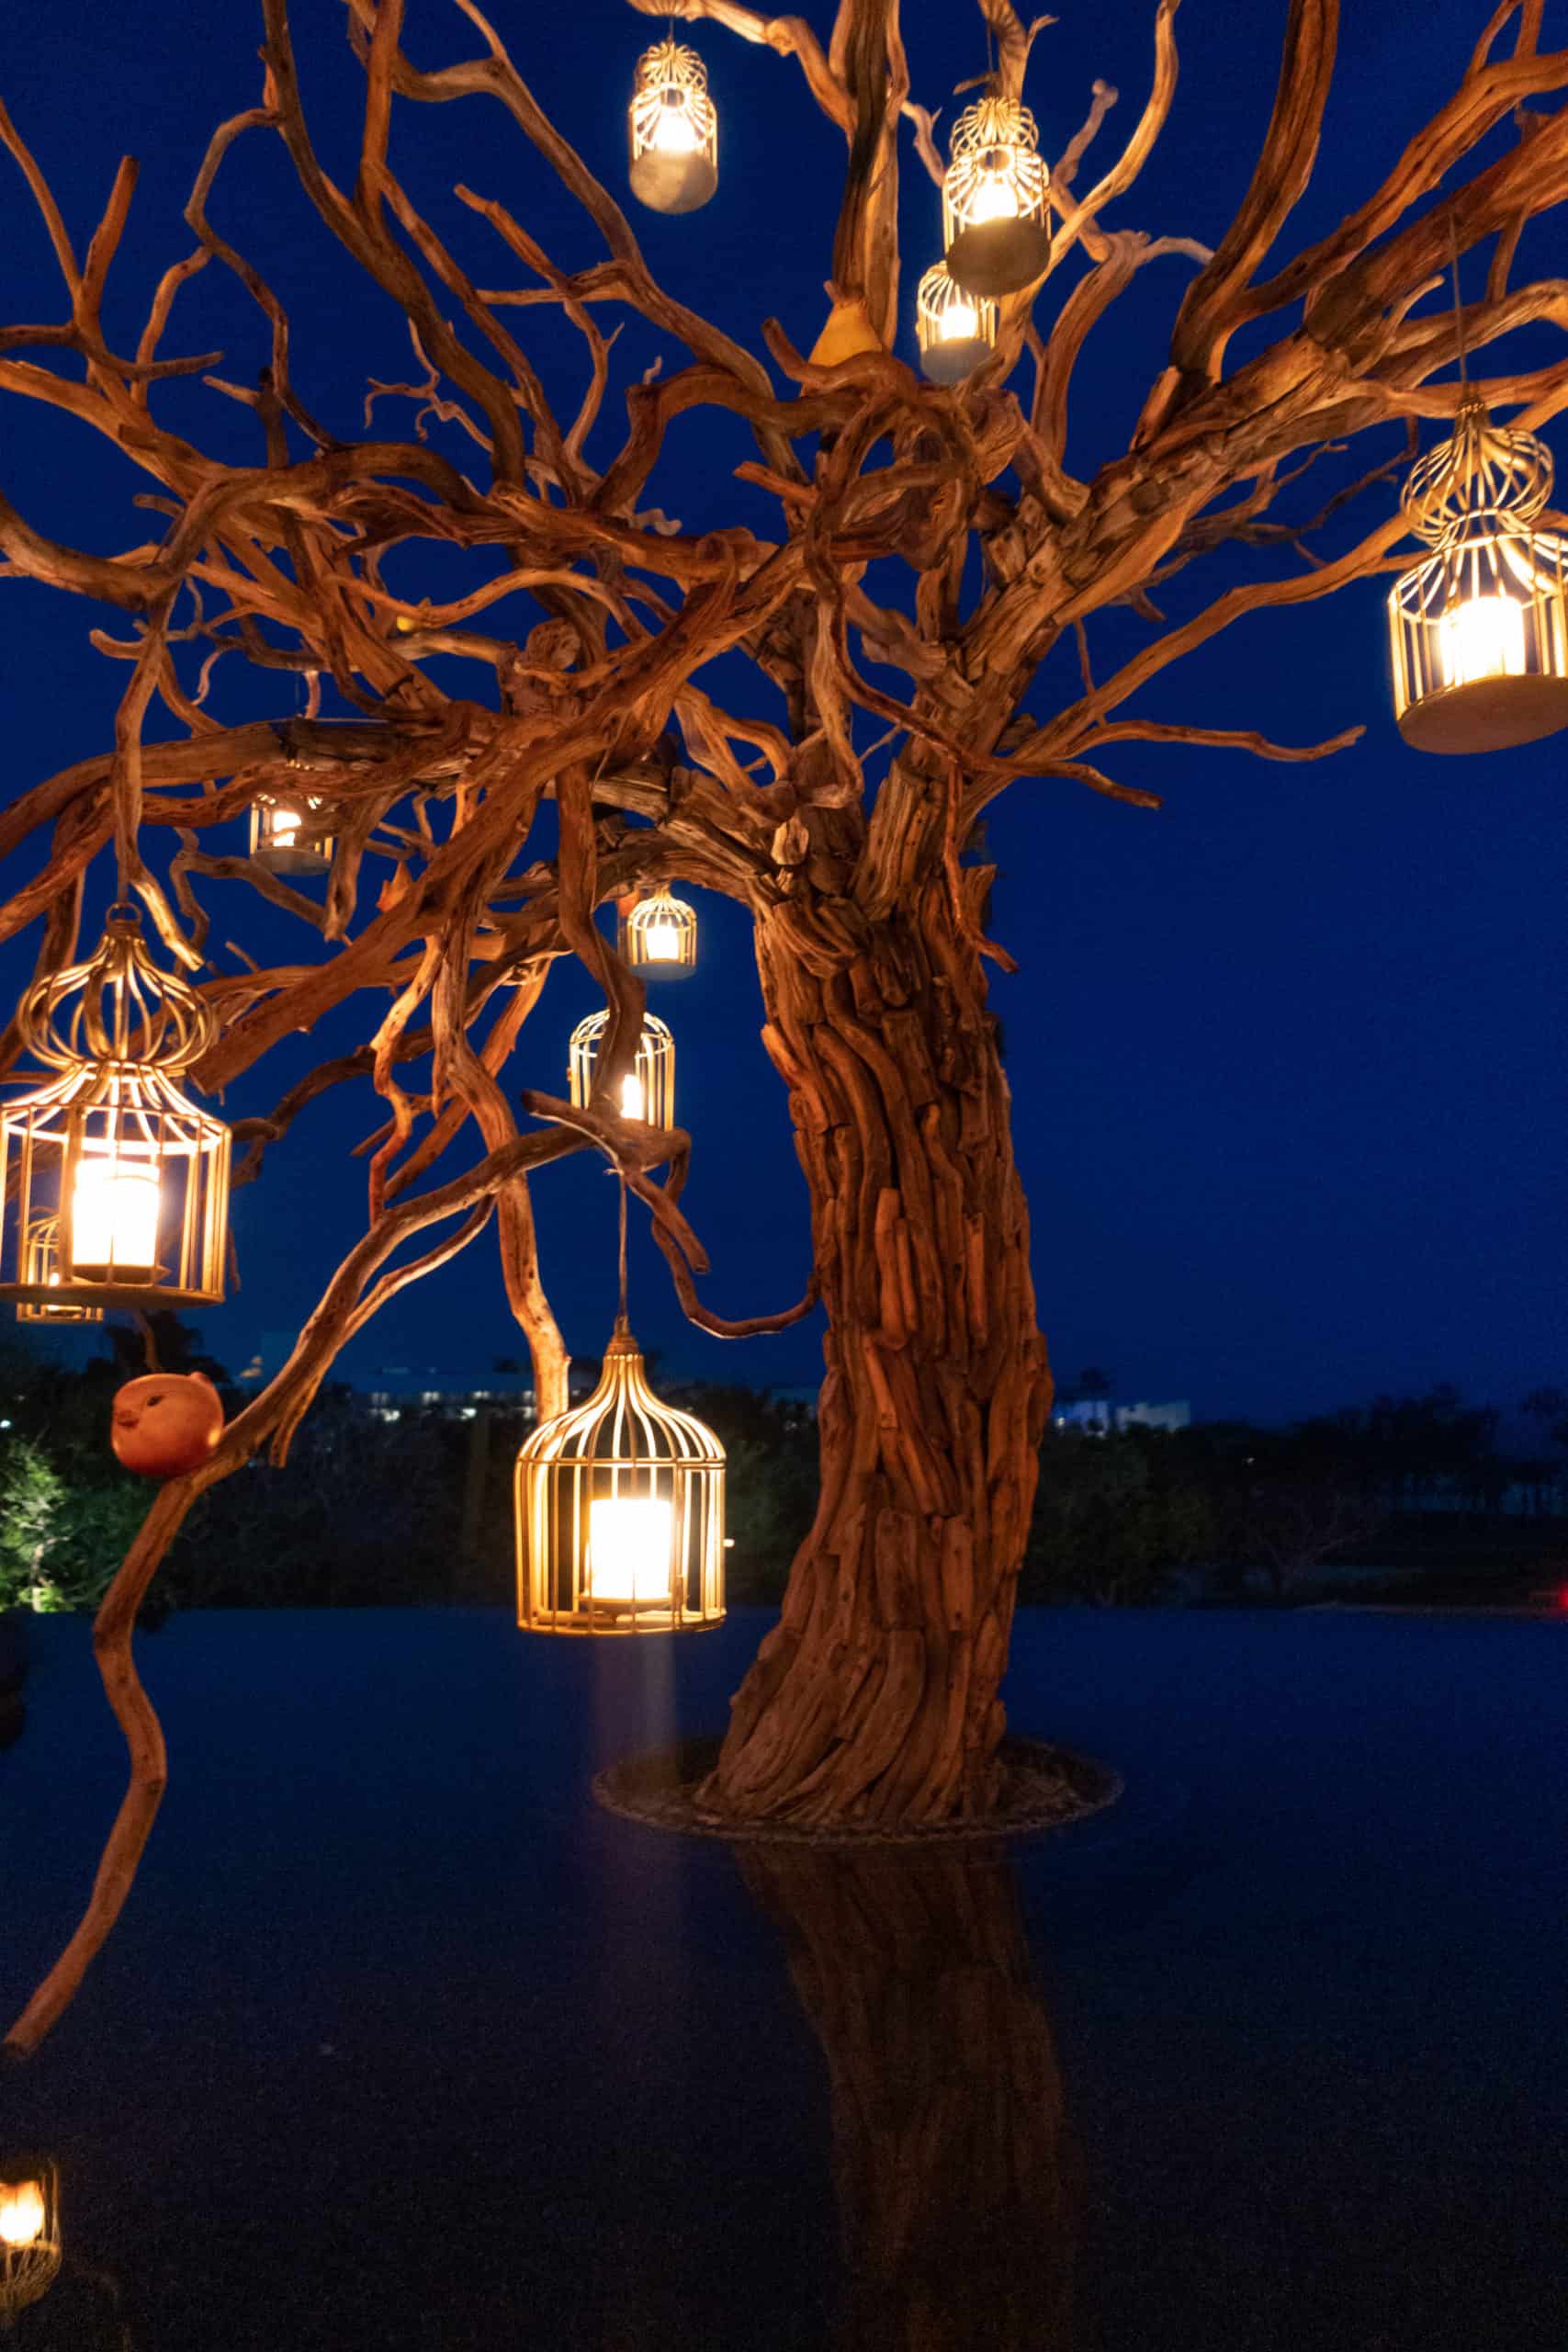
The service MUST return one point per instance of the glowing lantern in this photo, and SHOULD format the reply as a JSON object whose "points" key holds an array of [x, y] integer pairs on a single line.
{"points": [[996, 200], [286, 836], [956, 331], [648, 1091], [1479, 631], [660, 935], [620, 1512], [30, 2240], [673, 129], [116, 1186]]}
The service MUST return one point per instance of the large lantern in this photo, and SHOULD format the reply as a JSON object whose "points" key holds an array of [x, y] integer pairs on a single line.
{"points": [[672, 125], [648, 1090], [286, 835], [955, 331], [996, 200], [1479, 631], [620, 1512], [658, 937], [116, 1186], [29, 2238]]}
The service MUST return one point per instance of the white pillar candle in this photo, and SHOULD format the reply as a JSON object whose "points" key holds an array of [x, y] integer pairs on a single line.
{"points": [[630, 1549], [1483, 638], [114, 1216]]}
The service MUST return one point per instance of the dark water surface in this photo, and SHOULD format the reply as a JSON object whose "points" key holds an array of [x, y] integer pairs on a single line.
{"points": [[402, 2043]]}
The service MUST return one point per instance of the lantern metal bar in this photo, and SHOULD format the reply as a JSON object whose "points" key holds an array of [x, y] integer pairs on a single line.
{"points": [[286, 835], [620, 1512], [673, 129], [115, 1184], [660, 936], [647, 1092]]}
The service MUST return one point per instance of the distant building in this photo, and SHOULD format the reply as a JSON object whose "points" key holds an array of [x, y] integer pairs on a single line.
{"points": [[397, 1389], [1097, 1416]]}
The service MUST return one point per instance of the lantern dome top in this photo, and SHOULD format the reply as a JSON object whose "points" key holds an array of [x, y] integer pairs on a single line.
{"points": [[1486, 476], [126, 1010], [993, 121], [623, 1420]]}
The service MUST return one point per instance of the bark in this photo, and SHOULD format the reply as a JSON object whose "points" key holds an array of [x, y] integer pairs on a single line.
{"points": [[950, 2151], [876, 1698]]}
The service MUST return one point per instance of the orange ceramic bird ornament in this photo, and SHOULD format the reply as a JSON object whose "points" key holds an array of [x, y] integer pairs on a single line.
{"points": [[166, 1423]]}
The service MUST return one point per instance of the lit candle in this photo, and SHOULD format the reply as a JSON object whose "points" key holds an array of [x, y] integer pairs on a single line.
{"points": [[22, 2214], [995, 198], [673, 131], [661, 943], [631, 1097], [1483, 638], [960, 322], [630, 1550], [114, 1218], [285, 829]]}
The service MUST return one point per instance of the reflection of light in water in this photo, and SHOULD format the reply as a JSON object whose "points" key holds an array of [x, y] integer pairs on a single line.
{"points": [[995, 198], [960, 322], [631, 1096], [629, 1549], [114, 1214], [673, 131], [22, 2214], [1483, 638], [661, 943]]}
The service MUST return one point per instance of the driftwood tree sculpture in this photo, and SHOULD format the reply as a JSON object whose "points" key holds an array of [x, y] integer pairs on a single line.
{"points": [[876, 1696]]}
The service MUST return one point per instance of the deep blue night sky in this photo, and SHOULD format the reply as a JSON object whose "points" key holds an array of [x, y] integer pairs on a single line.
{"points": [[1286, 1056]]}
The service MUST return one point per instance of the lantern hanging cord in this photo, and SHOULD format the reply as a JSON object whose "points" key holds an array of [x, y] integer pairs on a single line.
{"points": [[621, 1179], [1459, 307]]}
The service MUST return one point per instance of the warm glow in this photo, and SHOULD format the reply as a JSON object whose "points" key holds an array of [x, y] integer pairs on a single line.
{"points": [[995, 198], [114, 1216], [960, 322], [661, 943], [629, 1550], [23, 2213], [672, 131], [283, 830], [1483, 638], [631, 1096]]}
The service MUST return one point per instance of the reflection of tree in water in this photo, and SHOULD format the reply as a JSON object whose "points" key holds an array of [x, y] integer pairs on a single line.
{"points": [[948, 2128]]}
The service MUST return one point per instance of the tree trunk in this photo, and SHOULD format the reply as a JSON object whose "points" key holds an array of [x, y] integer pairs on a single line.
{"points": [[874, 1698]]}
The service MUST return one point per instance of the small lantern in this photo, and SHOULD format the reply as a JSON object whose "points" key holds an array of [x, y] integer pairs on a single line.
{"points": [[116, 1187], [620, 1512], [29, 2238], [673, 129], [1479, 631], [996, 200], [286, 836], [41, 1262], [956, 331], [648, 1091], [660, 935]]}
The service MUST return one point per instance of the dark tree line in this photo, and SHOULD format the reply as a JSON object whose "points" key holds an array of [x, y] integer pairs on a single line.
{"points": [[418, 1510]]}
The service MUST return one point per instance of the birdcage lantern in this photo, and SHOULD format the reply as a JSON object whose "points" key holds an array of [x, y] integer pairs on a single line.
{"points": [[30, 2246], [289, 834], [672, 125], [648, 1090], [1479, 631], [996, 200], [955, 331], [658, 937], [116, 1186], [41, 1264], [620, 1512]]}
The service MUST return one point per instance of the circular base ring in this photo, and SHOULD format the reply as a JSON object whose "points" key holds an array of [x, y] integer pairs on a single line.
{"points": [[1045, 1787], [1487, 714]]}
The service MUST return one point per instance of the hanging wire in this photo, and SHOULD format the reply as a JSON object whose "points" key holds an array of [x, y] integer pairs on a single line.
{"points": [[1459, 306], [621, 1323]]}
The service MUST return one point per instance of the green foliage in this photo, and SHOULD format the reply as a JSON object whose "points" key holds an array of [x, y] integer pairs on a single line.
{"points": [[61, 1540]]}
